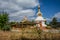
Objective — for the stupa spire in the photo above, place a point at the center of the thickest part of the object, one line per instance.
(39, 12)
(38, 8)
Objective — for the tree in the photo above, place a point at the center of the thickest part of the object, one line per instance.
(3, 20)
(32, 21)
(53, 23)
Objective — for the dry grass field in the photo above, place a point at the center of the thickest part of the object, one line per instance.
(28, 34)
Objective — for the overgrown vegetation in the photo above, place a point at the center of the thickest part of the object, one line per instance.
(54, 23)
(4, 21)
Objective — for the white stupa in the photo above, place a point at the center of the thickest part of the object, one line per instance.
(40, 19)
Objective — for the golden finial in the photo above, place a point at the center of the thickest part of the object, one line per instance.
(39, 13)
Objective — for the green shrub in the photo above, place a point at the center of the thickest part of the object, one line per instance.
(6, 28)
(0, 27)
(48, 27)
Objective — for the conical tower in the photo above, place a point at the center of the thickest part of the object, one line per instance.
(25, 19)
(39, 12)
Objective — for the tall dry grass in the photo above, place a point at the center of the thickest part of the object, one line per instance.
(28, 34)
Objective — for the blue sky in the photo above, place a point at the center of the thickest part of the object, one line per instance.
(17, 9)
(50, 7)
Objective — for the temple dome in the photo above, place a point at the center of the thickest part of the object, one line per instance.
(39, 18)
(39, 15)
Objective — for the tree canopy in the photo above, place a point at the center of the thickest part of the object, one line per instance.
(54, 22)
(4, 18)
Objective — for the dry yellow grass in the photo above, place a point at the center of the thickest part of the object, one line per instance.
(29, 34)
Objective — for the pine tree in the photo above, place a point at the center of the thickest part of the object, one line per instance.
(54, 21)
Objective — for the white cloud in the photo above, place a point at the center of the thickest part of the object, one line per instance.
(9, 6)
(26, 3)
(18, 8)
(18, 3)
(33, 18)
(57, 15)
(21, 13)
(48, 19)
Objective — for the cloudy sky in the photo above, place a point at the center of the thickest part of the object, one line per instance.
(17, 9)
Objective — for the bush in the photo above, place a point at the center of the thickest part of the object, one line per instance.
(55, 26)
(6, 28)
(0, 27)
(48, 27)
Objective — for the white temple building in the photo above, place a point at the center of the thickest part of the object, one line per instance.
(39, 19)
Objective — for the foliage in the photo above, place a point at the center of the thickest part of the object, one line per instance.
(6, 28)
(46, 22)
(54, 23)
(48, 27)
(32, 21)
(39, 31)
(12, 23)
(4, 20)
